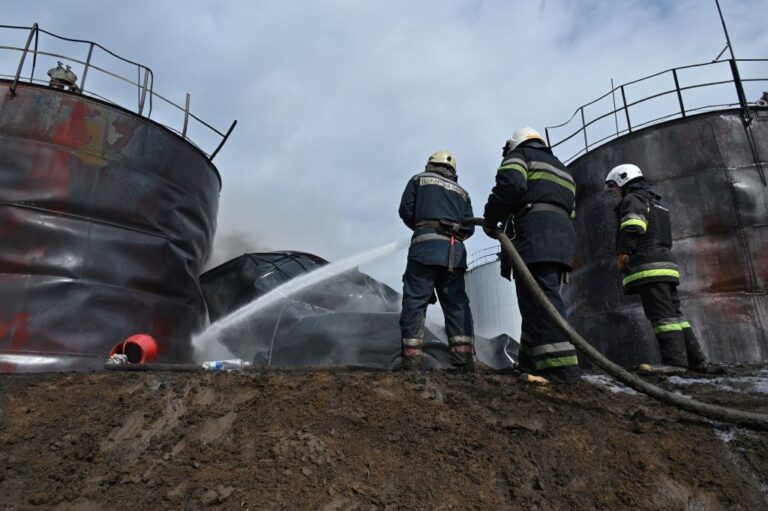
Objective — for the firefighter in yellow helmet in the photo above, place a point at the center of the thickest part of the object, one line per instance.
(437, 209)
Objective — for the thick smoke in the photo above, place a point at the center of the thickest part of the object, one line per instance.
(232, 243)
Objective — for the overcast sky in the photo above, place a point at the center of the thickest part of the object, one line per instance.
(340, 102)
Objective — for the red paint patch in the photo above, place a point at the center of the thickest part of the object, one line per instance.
(73, 131)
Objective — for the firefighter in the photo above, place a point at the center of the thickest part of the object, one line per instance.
(644, 256)
(436, 208)
(534, 196)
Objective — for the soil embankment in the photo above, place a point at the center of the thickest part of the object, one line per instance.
(361, 440)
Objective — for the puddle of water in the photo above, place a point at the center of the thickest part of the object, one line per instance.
(757, 384)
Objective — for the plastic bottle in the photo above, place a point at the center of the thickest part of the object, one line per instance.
(234, 364)
(117, 360)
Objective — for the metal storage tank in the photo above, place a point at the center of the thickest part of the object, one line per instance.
(710, 170)
(493, 299)
(106, 218)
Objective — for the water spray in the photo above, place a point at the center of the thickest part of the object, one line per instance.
(215, 331)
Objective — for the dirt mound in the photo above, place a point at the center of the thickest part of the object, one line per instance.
(361, 440)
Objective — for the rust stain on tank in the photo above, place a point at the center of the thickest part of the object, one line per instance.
(724, 270)
(83, 130)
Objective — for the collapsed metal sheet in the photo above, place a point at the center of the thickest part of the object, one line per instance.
(239, 281)
(705, 170)
(105, 221)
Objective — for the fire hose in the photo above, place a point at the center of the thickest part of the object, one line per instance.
(688, 404)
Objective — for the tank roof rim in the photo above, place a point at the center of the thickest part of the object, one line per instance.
(482, 264)
(21, 85)
(642, 130)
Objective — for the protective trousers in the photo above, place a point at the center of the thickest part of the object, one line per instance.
(544, 349)
(419, 281)
(678, 344)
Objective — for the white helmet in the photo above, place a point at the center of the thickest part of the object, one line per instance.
(623, 174)
(521, 135)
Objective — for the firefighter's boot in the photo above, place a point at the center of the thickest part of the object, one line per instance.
(672, 348)
(697, 360)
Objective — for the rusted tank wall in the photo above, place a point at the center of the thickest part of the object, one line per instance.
(705, 171)
(105, 221)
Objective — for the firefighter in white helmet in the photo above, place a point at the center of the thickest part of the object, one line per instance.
(534, 196)
(437, 209)
(644, 249)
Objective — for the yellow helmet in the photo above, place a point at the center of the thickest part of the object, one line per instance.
(443, 157)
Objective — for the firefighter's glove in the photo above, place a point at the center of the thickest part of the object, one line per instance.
(491, 228)
(621, 262)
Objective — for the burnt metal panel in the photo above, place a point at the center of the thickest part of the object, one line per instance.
(243, 279)
(728, 326)
(105, 221)
(711, 264)
(704, 168)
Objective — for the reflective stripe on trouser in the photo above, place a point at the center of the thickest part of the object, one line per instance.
(462, 348)
(545, 356)
(556, 354)
(669, 334)
(411, 352)
(662, 308)
(543, 347)
(412, 346)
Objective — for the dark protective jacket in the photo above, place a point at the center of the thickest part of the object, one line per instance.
(538, 190)
(431, 196)
(644, 232)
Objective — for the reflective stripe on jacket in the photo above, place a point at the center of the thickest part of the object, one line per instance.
(644, 232)
(531, 174)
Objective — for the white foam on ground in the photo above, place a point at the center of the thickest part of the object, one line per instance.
(726, 435)
(757, 384)
(607, 383)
